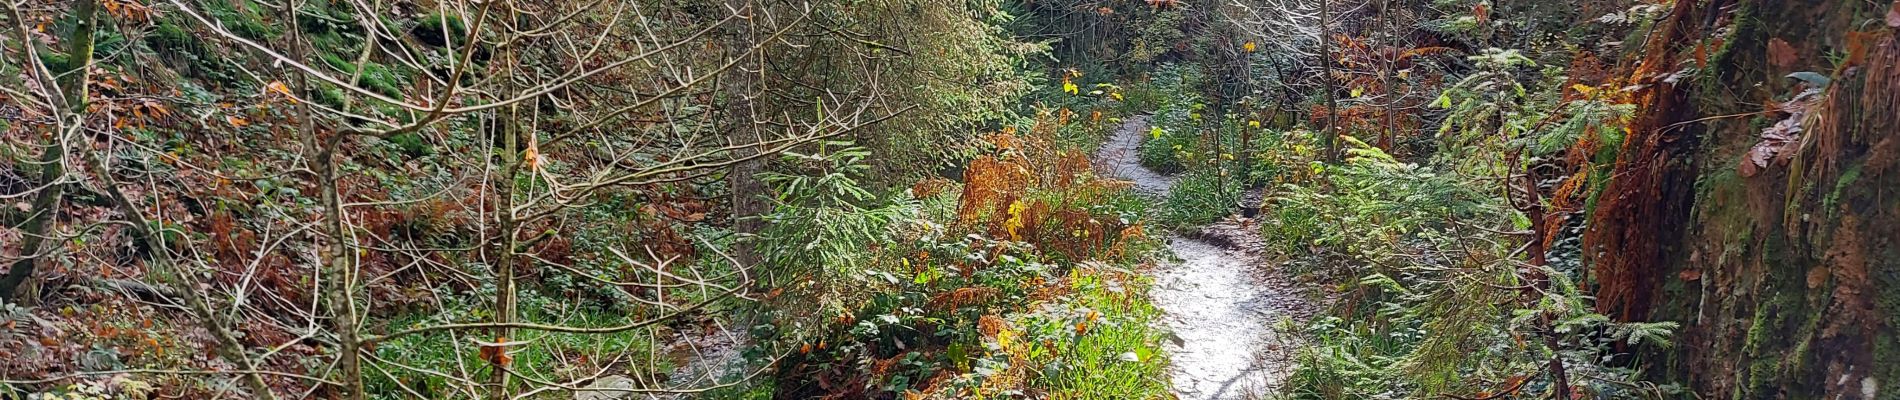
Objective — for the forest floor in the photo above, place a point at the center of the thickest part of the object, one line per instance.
(1228, 309)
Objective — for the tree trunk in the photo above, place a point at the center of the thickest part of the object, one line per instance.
(1331, 137)
(748, 190)
(72, 84)
(340, 298)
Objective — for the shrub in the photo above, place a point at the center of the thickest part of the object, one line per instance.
(990, 286)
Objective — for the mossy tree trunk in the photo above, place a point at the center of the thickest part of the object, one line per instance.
(72, 84)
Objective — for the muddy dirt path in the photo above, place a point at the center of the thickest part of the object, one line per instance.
(1224, 309)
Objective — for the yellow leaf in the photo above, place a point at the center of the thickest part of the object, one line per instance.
(1585, 90)
(1069, 87)
(1015, 220)
(1357, 91)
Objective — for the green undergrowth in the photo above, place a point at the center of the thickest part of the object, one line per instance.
(1177, 139)
(1216, 154)
(539, 356)
(1101, 342)
(1024, 278)
(1198, 198)
(1431, 305)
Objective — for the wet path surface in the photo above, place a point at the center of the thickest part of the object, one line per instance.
(1225, 314)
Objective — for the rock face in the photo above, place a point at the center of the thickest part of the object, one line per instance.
(607, 382)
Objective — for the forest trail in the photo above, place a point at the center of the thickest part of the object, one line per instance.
(1225, 312)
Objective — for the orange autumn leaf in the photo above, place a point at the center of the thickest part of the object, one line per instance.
(157, 109)
(532, 157)
(279, 88)
(236, 121)
(496, 352)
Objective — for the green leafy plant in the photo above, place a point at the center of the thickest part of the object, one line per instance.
(1200, 197)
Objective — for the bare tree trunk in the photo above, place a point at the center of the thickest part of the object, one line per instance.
(505, 290)
(748, 191)
(341, 297)
(507, 244)
(1326, 75)
(337, 265)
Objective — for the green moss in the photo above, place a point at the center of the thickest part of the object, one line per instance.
(169, 36)
(430, 29)
(242, 19)
(53, 60)
(376, 77)
(329, 96)
(1833, 198)
(1725, 194)
(1886, 275)
(326, 17)
(1886, 347)
(187, 53)
(1801, 191)
(1745, 22)
(546, 351)
(411, 144)
(1760, 372)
